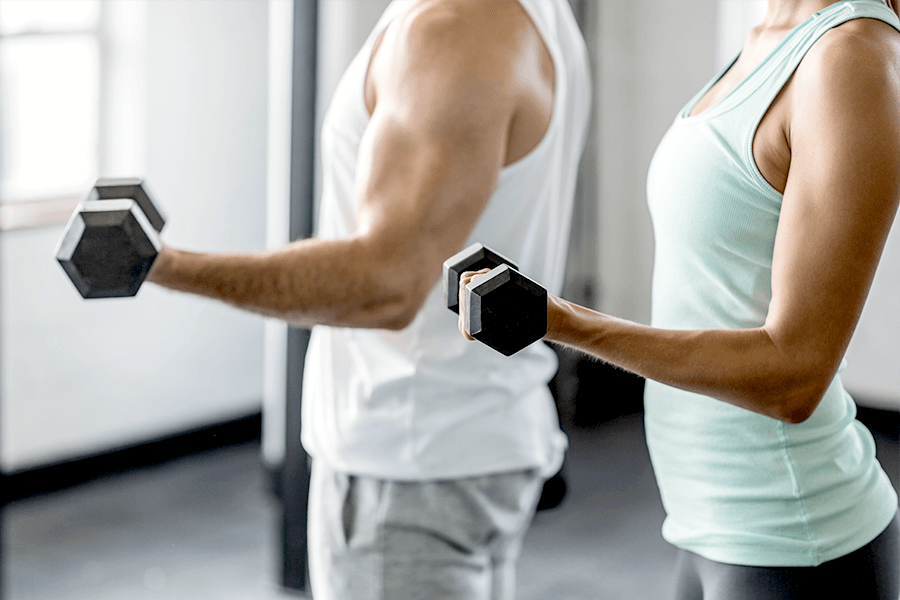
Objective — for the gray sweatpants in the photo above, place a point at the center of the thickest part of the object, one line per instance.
(457, 539)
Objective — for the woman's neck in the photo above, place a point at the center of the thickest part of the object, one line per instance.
(787, 14)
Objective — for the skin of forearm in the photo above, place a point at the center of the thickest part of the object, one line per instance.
(743, 367)
(329, 282)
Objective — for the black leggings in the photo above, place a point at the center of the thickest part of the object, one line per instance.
(870, 573)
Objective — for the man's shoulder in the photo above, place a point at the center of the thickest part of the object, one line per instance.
(465, 16)
(466, 33)
(456, 56)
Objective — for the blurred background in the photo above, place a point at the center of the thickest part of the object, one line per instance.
(142, 441)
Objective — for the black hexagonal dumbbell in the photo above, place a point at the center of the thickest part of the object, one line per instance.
(112, 239)
(504, 309)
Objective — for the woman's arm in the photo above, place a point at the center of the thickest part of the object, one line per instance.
(839, 202)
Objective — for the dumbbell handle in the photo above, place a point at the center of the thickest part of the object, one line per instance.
(505, 310)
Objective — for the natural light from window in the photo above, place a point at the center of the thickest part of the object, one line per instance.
(49, 97)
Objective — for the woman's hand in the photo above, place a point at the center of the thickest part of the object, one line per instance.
(464, 280)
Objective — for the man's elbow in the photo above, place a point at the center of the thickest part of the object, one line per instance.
(397, 309)
(398, 315)
(398, 322)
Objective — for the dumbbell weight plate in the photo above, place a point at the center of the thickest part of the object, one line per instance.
(473, 258)
(506, 310)
(129, 187)
(108, 248)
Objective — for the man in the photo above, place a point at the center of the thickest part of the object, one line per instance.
(458, 121)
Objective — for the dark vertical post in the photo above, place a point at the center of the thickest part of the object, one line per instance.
(3, 485)
(2, 506)
(295, 471)
(4, 493)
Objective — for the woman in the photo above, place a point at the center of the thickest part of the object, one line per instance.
(771, 196)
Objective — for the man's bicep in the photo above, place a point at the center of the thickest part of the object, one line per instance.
(444, 95)
(426, 173)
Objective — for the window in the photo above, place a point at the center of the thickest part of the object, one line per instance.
(49, 98)
(71, 102)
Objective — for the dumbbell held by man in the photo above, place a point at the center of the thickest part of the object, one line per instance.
(505, 310)
(112, 239)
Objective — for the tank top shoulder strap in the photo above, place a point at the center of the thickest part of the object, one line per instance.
(773, 74)
(545, 19)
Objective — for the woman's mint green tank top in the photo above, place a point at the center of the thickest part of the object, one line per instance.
(738, 487)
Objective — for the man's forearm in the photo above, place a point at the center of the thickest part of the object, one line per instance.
(328, 282)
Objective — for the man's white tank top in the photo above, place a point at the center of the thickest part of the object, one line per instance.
(423, 403)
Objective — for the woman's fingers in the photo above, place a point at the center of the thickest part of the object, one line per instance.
(464, 280)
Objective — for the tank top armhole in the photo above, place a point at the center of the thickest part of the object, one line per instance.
(373, 41)
(785, 73)
(560, 80)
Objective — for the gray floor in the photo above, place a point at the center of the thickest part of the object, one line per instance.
(204, 527)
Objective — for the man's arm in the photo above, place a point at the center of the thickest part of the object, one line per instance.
(839, 203)
(444, 89)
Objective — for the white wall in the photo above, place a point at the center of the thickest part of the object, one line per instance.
(873, 358)
(78, 377)
(735, 20)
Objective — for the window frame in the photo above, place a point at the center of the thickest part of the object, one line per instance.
(40, 210)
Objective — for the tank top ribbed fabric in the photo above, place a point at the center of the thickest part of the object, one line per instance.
(423, 403)
(738, 487)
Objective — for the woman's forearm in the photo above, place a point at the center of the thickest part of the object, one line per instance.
(743, 367)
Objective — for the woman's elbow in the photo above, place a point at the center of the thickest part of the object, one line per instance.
(797, 379)
(797, 414)
(799, 400)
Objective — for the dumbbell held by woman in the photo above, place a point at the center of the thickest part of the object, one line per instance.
(504, 309)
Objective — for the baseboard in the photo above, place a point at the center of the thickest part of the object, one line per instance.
(65, 474)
